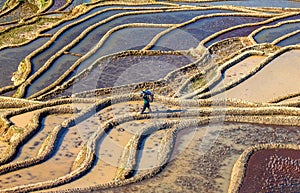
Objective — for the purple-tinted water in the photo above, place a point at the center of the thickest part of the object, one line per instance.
(1, 4)
(57, 4)
(75, 3)
(272, 170)
(89, 41)
(122, 70)
(176, 40)
(245, 31)
(259, 3)
(195, 32)
(159, 18)
(166, 17)
(125, 39)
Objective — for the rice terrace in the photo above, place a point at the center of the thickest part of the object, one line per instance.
(225, 78)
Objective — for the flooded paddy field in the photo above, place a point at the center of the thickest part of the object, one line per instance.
(13, 56)
(22, 11)
(116, 71)
(225, 115)
(75, 3)
(216, 24)
(31, 148)
(57, 69)
(266, 91)
(56, 5)
(232, 74)
(170, 17)
(51, 169)
(244, 31)
(290, 40)
(269, 35)
(282, 163)
(1, 4)
(194, 168)
(257, 3)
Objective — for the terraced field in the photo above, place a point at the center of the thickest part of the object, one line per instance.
(225, 116)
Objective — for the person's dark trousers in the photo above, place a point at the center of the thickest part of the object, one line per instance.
(146, 105)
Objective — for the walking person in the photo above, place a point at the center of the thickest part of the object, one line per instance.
(146, 100)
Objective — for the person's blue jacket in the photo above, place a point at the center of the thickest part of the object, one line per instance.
(146, 98)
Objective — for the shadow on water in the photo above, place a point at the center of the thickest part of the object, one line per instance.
(141, 149)
(40, 128)
(141, 146)
(98, 146)
(169, 111)
(57, 144)
(58, 141)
